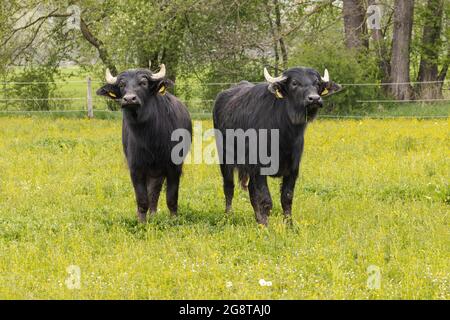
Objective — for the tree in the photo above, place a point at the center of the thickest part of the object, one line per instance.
(401, 42)
(225, 41)
(273, 33)
(380, 46)
(275, 27)
(99, 45)
(284, 54)
(354, 24)
(431, 47)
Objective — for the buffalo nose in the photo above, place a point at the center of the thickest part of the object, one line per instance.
(130, 98)
(314, 98)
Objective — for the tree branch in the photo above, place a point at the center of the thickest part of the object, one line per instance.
(98, 44)
(52, 14)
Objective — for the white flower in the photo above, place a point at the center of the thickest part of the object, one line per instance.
(264, 283)
(229, 284)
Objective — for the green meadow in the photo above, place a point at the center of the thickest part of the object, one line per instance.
(372, 194)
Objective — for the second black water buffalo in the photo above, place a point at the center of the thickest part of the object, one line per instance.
(287, 104)
(150, 116)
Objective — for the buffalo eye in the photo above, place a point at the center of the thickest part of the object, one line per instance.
(121, 84)
(294, 83)
(143, 83)
(318, 84)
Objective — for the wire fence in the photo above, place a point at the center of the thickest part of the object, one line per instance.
(402, 101)
(88, 101)
(221, 83)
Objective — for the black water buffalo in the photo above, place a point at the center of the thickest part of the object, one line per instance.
(286, 103)
(150, 115)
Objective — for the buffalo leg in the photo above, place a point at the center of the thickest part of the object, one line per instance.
(154, 186)
(265, 200)
(287, 195)
(261, 195)
(140, 190)
(228, 185)
(173, 183)
(253, 198)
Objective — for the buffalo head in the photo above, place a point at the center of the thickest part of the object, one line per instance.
(303, 88)
(132, 88)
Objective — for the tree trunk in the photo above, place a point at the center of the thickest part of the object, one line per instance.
(382, 53)
(445, 66)
(354, 24)
(401, 41)
(431, 44)
(274, 38)
(170, 57)
(284, 54)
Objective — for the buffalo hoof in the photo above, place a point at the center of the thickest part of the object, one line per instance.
(288, 220)
(173, 214)
(262, 219)
(142, 217)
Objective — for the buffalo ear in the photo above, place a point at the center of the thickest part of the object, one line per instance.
(163, 85)
(330, 88)
(277, 89)
(110, 91)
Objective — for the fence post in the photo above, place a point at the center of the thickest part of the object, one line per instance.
(90, 108)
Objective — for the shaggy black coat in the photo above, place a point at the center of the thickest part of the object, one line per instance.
(147, 127)
(248, 106)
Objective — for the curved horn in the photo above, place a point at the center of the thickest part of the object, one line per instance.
(109, 78)
(271, 79)
(161, 74)
(326, 76)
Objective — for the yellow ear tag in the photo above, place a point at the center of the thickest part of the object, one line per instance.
(324, 92)
(162, 90)
(278, 94)
(112, 95)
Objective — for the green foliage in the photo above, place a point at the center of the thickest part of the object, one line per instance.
(424, 13)
(38, 87)
(200, 90)
(345, 68)
(219, 41)
(370, 193)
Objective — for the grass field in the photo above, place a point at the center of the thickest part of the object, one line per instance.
(371, 192)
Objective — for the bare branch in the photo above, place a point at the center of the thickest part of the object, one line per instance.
(98, 44)
(52, 14)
